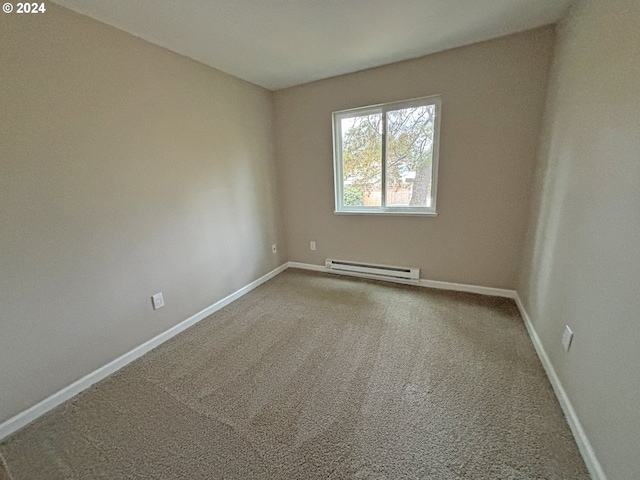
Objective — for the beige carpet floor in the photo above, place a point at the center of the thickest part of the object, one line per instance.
(319, 376)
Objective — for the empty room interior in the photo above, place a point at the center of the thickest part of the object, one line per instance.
(300, 239)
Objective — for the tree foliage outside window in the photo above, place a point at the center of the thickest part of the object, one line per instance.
(394, 145)
(353, 196)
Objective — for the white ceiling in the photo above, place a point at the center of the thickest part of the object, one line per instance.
(281, 43)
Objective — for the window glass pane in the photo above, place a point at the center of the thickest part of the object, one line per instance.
(362, 160)
(410, 133)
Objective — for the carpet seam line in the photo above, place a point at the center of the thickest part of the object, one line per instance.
(5, 466)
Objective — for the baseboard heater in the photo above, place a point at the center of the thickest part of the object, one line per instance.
(369, 270)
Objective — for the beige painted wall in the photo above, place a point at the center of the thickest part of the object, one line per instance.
(582, 263)
(126, 170)
(492, 105)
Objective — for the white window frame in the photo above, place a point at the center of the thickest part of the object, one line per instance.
(383, 108)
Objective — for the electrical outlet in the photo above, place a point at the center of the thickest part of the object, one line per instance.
(274, 249)
(312, 245)
(158, 301)
(567, 338)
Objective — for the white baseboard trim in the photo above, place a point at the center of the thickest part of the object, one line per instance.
(462, 287)
(24, 418)
(307, 266)
(586, 450)
(458, 287)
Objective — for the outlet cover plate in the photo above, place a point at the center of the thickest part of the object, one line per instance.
(158, 301)
(567, 338)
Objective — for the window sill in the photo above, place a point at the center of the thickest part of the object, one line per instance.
(392, 213)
